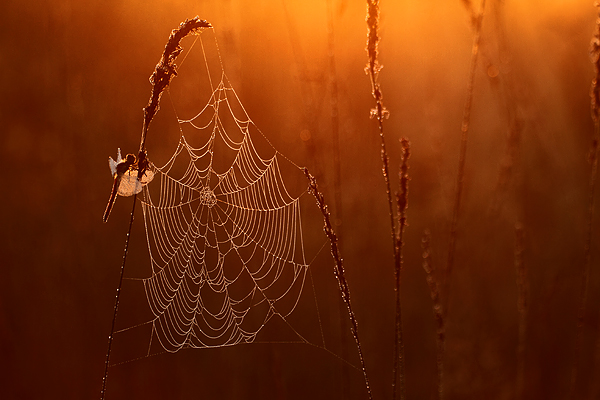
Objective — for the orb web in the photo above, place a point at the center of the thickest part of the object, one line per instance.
(224, 233)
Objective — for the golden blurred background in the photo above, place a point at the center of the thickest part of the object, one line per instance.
(74, 79)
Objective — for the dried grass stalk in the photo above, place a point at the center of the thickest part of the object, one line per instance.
(161, 77)
(402, 205)
(380, 113)
(438, 312)
(338, 270)
(166, 69)
(476, 22)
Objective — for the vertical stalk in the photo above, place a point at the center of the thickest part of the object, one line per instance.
(477, 21)
(339, 270)
(116, 308)
(160, 79)
(438, 313)
(380, 112)
(522, 307)
(402, 205)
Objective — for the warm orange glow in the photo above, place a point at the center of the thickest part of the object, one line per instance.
(75, 79)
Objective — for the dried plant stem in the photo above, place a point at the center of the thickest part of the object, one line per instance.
(510, 100)
(402, 204)
(339, 270)
(463, 152)
(593, 159)
(337, 176)
(380, 113)
(166, 69)
(115, 309)
(161, 77)
(522, 307)
(438, 314)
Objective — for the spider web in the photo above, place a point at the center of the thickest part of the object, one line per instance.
(226, 248)
(224, 233)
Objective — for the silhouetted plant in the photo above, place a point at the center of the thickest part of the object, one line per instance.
(380, 113)
(161, 77)
(339, 269)
(476, 20)
(438, 312)
(522, 307)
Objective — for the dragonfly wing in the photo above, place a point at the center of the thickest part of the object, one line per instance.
(112, 164)
(130, 184)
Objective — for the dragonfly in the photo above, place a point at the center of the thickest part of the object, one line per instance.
(127, 180)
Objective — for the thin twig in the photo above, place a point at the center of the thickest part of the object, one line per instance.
(338, 270)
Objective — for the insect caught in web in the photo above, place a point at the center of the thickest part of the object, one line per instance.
(130, 176)
(227, 247)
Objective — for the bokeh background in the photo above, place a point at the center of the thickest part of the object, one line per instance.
(74, 79)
